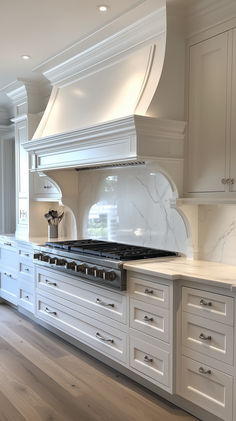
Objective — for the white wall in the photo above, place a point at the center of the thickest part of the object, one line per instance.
(217, 233)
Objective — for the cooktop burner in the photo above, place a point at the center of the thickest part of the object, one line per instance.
(117, 251)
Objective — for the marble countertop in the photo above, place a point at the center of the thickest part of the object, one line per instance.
(219, 274)
(31, 240)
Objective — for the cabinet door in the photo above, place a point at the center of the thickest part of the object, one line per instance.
(233, 118)
(207, 115)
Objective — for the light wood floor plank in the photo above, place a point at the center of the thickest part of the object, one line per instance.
(42, 378)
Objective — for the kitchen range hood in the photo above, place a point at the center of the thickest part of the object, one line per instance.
(116, 96)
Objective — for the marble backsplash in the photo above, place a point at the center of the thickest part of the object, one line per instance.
(217, 233)
(130, 205)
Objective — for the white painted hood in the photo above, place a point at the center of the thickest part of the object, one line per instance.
(111, 101)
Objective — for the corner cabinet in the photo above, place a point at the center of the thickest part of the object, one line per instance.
(212, 108)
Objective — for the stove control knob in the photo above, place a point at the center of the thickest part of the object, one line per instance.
(110, 276)
(70, 265)
(38, 256)
(45, 258)
(60, 262)
(99, 273)
(92, 271)
(82, 268)
(53, 260)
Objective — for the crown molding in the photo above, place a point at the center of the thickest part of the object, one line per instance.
(139, 32)
(205, 14)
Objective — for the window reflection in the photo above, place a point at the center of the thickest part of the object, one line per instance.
(103, 221)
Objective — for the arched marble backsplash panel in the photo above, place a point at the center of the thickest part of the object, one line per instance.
(130, 205)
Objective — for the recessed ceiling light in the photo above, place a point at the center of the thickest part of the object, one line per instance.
(103, 8)
(25, 57)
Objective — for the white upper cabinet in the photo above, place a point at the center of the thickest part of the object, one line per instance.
(207, 134)
(233, 119)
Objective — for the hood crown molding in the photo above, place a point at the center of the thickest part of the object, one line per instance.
(88, 60)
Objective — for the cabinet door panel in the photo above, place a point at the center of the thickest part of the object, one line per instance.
(207, 115)
(233, 118)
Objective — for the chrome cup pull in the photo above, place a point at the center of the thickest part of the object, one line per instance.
(148, 319)
(50, 311)
(148, 359)
(99, 336)
(102, 303)
(205, 303)
(8, 274)
(148, 291)
(203, 371)
(204, 337)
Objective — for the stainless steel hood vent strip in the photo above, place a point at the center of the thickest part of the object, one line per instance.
(115, 165)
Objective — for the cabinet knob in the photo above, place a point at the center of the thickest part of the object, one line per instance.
(224, 181)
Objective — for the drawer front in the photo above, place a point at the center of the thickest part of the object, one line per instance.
(42, 185)
(26, 297)
(210, 338)
(150, 360)
(26, 272)
(26, 256)
(100, 300)
(149, 292)
(149, 319)
(9, 287)
(206, 304)
(8, 258)
(105, 339)
(208, 388)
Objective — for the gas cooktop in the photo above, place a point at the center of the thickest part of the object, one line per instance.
(117, 251)
(96, 261)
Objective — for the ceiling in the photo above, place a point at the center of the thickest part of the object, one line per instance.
(43, 29)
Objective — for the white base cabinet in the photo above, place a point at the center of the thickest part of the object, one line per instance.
(153, 330)
(207, 351)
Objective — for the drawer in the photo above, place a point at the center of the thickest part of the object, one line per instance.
(150, 360)
(8, 258)
(149, 292)
(26, 256)
(107, 303)
(9, 287)
(210, 338)
(26, 271)
(207, 304)
(26, 297)
(149, 319)
(208, 388)
(105, 339)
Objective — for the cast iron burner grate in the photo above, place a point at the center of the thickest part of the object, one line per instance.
(116, 251)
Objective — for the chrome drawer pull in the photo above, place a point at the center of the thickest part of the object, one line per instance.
(51, 283)
(27, 269)
(205, 303)
(99, 336)
(203, 371)
(98, 301)
(204, 337)
(7, 244)
(148, 319)
(148, 291)
(147, 359)
(47, 187)
(27, 297)
(8, 274)
(50, 311)
(26, 254)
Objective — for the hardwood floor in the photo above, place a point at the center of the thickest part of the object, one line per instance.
(42, 378)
